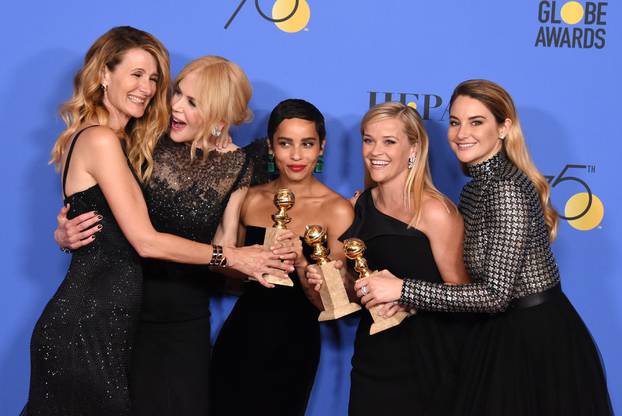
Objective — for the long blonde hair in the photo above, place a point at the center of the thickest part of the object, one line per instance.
(87, 106)
(501, 105)
(223, 95)
(419, 180)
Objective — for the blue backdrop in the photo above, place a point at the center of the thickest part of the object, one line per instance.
(559, 59)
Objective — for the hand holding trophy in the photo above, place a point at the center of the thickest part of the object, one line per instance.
(332, 292)
(283, 200)
(354, 249)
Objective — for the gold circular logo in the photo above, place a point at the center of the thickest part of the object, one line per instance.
(572, 12)
(295, 23)
(592, 218)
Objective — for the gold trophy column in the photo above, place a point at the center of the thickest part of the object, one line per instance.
(333, 292)
(354, 249)
(283, 200)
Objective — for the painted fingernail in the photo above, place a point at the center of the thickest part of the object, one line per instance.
(95, 212)
(99, 217)
(93, 237)
(99, 227)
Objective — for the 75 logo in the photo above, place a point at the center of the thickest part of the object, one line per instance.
(583, 210)
(288, 15)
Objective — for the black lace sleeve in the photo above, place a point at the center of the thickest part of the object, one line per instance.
(256, 168)
(508, 208)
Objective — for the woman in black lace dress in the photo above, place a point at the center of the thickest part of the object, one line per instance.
(281, 323)
(81, 344)
(165, 300)
(533, 355)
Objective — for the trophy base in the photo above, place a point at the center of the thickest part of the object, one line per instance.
(338, 312)
(380, 324)
(281, 281)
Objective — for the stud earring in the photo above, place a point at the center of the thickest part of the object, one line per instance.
(216, 132)
(105, 87)
(411, 161)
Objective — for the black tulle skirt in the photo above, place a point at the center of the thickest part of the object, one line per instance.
(539, 360)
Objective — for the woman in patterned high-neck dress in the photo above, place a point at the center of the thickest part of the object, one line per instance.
(533, 354)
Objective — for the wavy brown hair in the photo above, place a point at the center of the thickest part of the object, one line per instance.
(86, 106)
(499, 102)
(223, 95)
(419, 181)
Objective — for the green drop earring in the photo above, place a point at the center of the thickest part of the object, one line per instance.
(271, 166)
(319, 165)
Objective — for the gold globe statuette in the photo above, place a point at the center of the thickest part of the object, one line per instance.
(332, 292)
(354, 249)
(284, 199)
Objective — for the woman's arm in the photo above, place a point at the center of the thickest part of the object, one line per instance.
(507, 237)
(106, 163)
(227, 232)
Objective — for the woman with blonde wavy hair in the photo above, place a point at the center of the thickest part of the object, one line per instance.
(197, 175)
(81, 344)
(411, 229)
(528, 355)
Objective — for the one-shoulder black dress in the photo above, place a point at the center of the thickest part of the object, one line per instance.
(267, 353)
(409, 368)
(80, 346)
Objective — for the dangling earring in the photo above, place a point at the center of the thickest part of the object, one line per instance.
(411, 161)
(271, 165)
(319, 165)
(216, 132)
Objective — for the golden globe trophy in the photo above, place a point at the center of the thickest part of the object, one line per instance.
(333, 292)
(283, 200)
(354, 249)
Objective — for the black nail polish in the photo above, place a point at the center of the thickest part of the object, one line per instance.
(99, 217)
(93, 236)
(99, 227)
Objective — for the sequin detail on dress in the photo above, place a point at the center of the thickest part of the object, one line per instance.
(81, 344)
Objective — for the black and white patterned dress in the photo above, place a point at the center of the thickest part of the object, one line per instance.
(533, 354)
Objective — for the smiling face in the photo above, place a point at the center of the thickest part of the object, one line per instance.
(474, 135)
(186, 120)
(386, 150)
(130, 86)
(296, 147)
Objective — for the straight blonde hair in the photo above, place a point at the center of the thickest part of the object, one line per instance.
(500, 104)
(419, 181)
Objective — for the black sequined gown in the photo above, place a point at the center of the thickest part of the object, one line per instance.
(81, 344)
(533, 355)
(409, 368)
(267, 352)
(171, 359)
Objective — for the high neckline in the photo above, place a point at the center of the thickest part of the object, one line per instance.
(488, 167)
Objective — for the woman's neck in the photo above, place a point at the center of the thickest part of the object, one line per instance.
(391, 195)
(303, 187)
